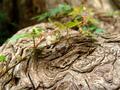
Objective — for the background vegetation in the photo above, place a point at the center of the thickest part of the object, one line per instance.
(16, 14)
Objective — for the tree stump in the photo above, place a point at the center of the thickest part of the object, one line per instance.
(75, 62)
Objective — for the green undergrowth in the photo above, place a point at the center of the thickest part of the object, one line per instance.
(81, 18)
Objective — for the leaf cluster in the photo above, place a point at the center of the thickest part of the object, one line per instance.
(36, 32)
(80, 17)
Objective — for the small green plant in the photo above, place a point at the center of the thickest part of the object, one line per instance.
(80, 17)
(93, 29)
(87, 27)
(36, 32)
(83, 13)
(2, 58)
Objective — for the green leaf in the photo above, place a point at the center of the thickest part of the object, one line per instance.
(35, 33)
(17, 36)
(2, 58)
(77, 11)
(84, 28)
(60, 25)
(99, 30)
(92, 28)
(41, 17)
(65, 8)
(72, 24)
(78, 17)
(62, 8)
(92, 20)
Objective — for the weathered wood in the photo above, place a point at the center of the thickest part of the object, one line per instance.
(76, 62)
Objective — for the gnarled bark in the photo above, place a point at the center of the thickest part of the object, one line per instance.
(75, 62)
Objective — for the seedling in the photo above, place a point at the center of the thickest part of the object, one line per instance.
(36, 33)
(2, 58)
